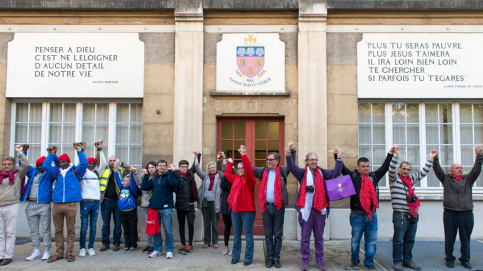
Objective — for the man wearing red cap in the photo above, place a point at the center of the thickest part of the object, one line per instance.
(67, 192)
(90, 200)
(10, 187)
(38, 193)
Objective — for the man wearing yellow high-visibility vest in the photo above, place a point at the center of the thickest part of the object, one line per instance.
(109, 196)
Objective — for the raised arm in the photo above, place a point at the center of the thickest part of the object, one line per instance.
(220, 164)
(249, 176)
(476, 170)
(102, 161)
(293, 168)
(174, 179)
(82, 166)
(438, 171)
(146, 185)
(380, 172)
(229, 172)
(47, 165)
(25, 162)
(426, 168)
(393, 167)
(198, 169)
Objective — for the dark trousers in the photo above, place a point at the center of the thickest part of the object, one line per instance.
(190, 216)
(129, 221)
(108, 209)
(210, 223)
(226, 232)
(405, 227)
(273, 224)
(454, 221)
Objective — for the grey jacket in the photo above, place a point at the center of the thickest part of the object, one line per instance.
(206, 182)
(458, 195)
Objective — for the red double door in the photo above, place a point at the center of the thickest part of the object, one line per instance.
(260, 136)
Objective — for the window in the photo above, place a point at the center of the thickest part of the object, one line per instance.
(451, 127)
(42, 124)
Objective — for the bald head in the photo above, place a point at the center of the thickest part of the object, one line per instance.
(112, 162)
(456, 169)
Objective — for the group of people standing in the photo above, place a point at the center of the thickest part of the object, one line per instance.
(115, 188)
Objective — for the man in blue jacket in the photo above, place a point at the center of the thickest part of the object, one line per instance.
(163, 186)
(38, 193)
(67, 192)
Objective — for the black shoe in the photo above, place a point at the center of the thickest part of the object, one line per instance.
(277, 264)
(269, 263)
(146, 249)
(247, 263)
(412, 265)
(371, 267)
(151, 249)
(467, 265)
(233, 261)
(6, 261)
(450, 264)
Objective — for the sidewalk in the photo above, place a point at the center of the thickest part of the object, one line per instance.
(337, 257)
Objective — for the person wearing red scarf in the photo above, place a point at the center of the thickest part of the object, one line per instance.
(210, 204)
(10, 185)
(458, 206)
(363, 217)
(405, 206)
(312, 203)
(272, 199)
(242, 206)
(186, 196)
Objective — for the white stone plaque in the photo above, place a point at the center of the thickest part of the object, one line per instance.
(250, 63)
(78, 65)
(420, 66)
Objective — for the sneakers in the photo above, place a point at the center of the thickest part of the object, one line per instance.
(146, 248)
(450, 264)
(187, 250)
(181, 249)
(132, 249)
(169, 255)
(82, 252)
(154, 254)
(46, 255)
(413, 266)
(398, 267)
(35, 255)
(229, 253)
(321, 266)
(151, 249)
(91, 252)
(355, 266)
(371, 267)
(126, 249)
(466, 265)
(304, 266)
(225, 251)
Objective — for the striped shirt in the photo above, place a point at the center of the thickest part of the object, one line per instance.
(398, 190)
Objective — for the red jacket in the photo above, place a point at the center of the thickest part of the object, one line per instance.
(246, 188)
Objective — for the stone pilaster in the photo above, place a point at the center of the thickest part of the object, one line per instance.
(312, 80)
(188, 95)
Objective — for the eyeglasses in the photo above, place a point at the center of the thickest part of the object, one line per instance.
(240, 168)
(5, 165)
(406, 169)
(183, 167)
(270, 160)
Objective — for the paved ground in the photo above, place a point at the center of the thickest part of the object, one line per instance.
(428, 254)
(337, 257)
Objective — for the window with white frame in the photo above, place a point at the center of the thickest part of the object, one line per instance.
(42, 124)
(454, 128)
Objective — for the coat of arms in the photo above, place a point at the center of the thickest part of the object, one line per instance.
(250, 57)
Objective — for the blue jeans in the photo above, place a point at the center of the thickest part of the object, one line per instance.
(108, 208)
(88, 208)
(403, 239)
(242, 220)
(165, 218)
(362, 225)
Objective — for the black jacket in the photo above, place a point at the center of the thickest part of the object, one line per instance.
(163, 187)
(375, 177)
(284, 172)
(188, 191)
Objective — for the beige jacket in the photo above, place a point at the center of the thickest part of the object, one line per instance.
(10, 193)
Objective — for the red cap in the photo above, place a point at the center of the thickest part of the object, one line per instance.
(64, 157)
(40, 160)
(90, 159)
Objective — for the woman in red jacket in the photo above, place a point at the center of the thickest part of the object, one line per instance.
(242, 206)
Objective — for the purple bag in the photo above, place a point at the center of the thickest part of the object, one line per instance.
(339, 188)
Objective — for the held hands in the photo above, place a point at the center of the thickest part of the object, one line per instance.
(52, 150)
(25, 147)
(172, 167)
(99, 144)
(242, 150)
(76, 146)
(337, 151)
(220, 155)
(144, 172)
(82, 145)
(196, 153)
(230, 160)
(478, 150)
(433, 154)
(291, 146)
(396, 150)
(133, 170)
(393, 149)
(19, 149)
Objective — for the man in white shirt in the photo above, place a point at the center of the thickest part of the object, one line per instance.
(91, 194)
